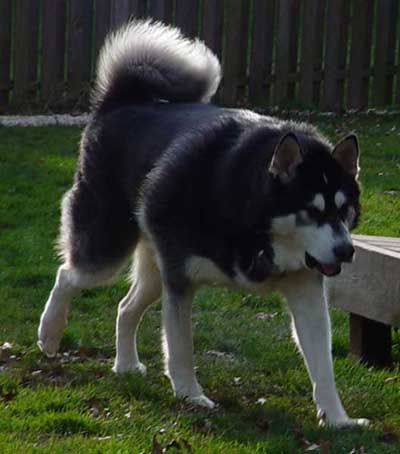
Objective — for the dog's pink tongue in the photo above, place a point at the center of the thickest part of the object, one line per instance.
(329, 268)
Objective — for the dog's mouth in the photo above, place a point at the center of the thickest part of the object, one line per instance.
(327, 269)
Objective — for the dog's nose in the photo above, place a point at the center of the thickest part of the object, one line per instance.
(344, 252)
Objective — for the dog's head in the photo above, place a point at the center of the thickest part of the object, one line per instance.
(319, 195)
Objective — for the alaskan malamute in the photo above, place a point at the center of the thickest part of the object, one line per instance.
(200, 195)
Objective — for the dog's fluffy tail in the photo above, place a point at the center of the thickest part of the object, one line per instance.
(145, 61)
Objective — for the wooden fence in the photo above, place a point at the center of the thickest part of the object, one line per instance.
(325, 54)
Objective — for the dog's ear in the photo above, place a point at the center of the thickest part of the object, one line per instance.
(287, 157)
(346, 153)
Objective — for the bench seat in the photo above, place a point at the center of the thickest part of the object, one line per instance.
(369, 289)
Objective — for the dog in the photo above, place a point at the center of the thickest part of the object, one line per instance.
(200, 196)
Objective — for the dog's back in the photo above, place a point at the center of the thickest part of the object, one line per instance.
(140, 67)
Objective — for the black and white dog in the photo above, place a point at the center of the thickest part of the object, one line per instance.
(200, 195)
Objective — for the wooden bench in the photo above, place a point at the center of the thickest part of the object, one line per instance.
(369, 289)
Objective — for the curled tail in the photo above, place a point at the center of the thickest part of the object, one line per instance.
(145, 61)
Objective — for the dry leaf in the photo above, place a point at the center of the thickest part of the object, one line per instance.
(36, 372)
(266, 315)
(392, 379)
(313, 447)
(94, 412)
(107, 437)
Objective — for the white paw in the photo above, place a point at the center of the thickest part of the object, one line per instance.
(138, 367)
(48, 345)
(345, 423)
(202, 401)
(49, 337)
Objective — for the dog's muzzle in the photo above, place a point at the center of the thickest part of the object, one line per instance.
(327, 269)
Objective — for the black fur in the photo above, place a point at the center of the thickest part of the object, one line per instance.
(202, 174)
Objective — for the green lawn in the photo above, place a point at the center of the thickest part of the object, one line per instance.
(250, 366)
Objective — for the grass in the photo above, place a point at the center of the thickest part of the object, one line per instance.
(75, 404)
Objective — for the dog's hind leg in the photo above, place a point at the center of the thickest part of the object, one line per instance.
(70, 281)
(145, 290)
(97, 237)
(312, 332)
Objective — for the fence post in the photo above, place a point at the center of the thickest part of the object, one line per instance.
(261, 57)
(161, 10)
(54, 16)
(311, 42)
(384, 52)
(5, 54)
(286, 51)
(79, 46)
(25, 50)
(186, 16)
(357, 96)
(335, 55)
(235, 58)
(102, 24)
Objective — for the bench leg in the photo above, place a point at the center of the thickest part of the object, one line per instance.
(370, 341)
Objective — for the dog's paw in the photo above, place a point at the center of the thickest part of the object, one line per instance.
(138, 367)
(48, 345)
(202, 401)
(345, 423)
(49, 337)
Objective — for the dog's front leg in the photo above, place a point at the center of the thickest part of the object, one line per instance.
(312, 332)
(178, 346)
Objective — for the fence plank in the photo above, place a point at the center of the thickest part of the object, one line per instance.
(161, 10)
(335, 58)
(26, 50)
(235, 55)
(384, 51)
(120, 12)
(293, 46)
(139, 8)
(54, 15)
(213, 24)
(319, 50)
(285, 51)
(261, 51)
(309, 50)
(357, 97)
(79, 45)
(186, 16)
(102, 24)
(5, 54)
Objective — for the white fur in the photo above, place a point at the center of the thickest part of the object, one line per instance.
(283, 225)
(202, 271)
(69, 283)
(307, 304)
(178, 347)
(158, 55)
(318, 202)
(289, 252)
(340, 199)
(318, 241)
(145, 290)
(351, 217)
